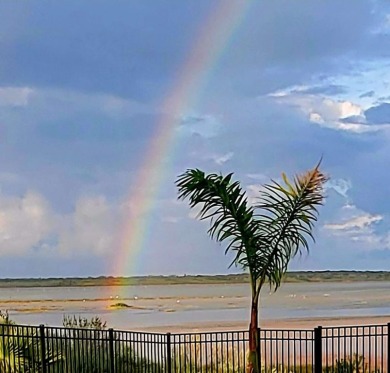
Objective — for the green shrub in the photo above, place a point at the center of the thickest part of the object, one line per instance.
(351, 364)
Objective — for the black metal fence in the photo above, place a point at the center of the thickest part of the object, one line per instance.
(77, 350)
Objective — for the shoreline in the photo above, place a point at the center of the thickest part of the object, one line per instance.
(237, 278)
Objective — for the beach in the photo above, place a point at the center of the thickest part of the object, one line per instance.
(285, 324)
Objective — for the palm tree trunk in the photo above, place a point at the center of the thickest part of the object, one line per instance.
(253, 363)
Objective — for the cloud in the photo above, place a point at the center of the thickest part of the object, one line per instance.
(325, 89)
(89, 229)
(206, 126)
(15, 96)
(56, 100)
(222, 159)
(253, 192)
(302, 98)
(341, 186)
(367, 94)
(357, 223)
(76, 137)
(80, 137)
(348, 223)
(337, 114)
(25, 222)
(376, 117)
(354, 119)
(379, 114)
(29, 224)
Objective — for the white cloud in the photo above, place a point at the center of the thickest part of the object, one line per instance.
(355, 224)
(344, 111)
(325, 111)
(15, 96)
(253, 192)
(222, 159)
(90, 228)
(28, 223)
(24, 222)
(362, 230)
(341, 186)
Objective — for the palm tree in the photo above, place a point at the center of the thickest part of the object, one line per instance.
(20, 349)
(263, 237)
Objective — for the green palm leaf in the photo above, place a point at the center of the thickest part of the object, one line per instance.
(264, 237)
(225, 204)
(287, 220)
(20, 349)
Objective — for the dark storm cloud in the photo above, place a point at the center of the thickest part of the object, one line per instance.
(378, 114)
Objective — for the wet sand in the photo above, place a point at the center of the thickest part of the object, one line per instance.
(203, 308)
(171, 306)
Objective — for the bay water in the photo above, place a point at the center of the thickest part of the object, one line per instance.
(137, 307)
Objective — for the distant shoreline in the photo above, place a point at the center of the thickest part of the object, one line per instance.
(291, 277)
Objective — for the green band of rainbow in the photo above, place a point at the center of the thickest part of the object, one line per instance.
(212, 40)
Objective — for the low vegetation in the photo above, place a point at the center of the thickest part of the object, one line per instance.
(84, 347)
(119, 306)
(302, 276)
(20, 347)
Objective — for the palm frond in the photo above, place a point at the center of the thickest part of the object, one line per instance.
(224, 203)
(264, 238)
(20, 350)
(289, 212)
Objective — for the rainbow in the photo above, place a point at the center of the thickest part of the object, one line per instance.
(211, 41)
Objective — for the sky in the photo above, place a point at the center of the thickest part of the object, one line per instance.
(104, 104)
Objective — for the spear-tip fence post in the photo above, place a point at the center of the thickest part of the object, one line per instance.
(42, 339)
(318, 349)
(169, 354)
(111, 349)
(388, 347)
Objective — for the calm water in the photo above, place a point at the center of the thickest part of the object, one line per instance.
(182, 304)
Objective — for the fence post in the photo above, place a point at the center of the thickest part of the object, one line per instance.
(43, 347)
(318, 349)
(111, 349)
(169, 354)
(388, 347)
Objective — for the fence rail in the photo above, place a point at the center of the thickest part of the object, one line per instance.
(43, 349)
